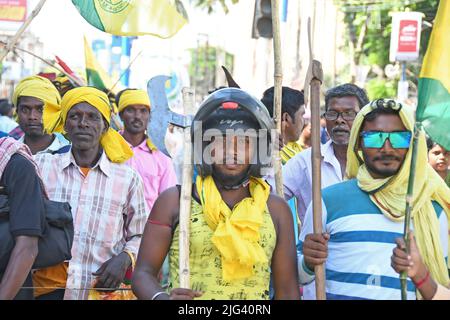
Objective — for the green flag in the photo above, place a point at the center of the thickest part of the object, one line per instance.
(433, 108)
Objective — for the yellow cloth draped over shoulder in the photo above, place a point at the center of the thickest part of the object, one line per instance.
(389, 194)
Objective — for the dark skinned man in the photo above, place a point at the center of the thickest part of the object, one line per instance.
(106, 195)
(155, 168)
(20, 181)
(342, 103)
(36, 99)
(363, 216)
(239, 233)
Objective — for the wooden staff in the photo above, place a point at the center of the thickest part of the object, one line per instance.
(278, 80)
(22, 29)
(313, 81)
(186, 192)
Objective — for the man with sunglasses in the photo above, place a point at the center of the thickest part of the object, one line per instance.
(364, 215)
(342, 103)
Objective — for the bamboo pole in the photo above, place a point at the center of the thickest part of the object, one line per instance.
(22, 29)
(185, 197)
(315, 77)
(278, 80)
(409, 203)
(76, 81)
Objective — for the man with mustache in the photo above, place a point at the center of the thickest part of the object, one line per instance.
(106, 196)
(33, 96)
(342, 103)
(155, 168)
(363, 216)
(239, 232)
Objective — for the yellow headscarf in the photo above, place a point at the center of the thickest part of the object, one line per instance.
(115, 146)
(389, 194)
(236, 232)
(136, 96)
(44, 90)
(133, 96)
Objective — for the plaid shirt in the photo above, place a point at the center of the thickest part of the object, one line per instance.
(108, 208)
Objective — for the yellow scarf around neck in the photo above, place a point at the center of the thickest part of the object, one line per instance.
(236, 232)
(290, 150)
(389, 194)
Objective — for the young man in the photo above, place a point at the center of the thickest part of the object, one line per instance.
(20, 181)
(36, 98)
(106, 196)
(155, 168)
(342, 103)
(363, 216)
(239, 233)
(292, 112)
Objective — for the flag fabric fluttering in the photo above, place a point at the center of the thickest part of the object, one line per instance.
(159, 18)
(433, 109)
(95, 74)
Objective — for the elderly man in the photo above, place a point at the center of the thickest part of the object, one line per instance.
(106, 195)
(342, 103)
(36, 99)
(155, 168)
(361, 228)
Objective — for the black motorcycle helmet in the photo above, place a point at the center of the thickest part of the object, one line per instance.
(230, 109)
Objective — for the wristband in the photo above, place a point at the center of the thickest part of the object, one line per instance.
(158, 294)
(422, 281)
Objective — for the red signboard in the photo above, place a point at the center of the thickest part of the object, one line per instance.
(407, 36)
(13, 10)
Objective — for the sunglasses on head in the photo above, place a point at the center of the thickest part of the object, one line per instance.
(377, 139)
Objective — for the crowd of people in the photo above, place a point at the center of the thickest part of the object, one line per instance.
(58, 142)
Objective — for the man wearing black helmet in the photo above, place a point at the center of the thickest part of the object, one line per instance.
(239, 233)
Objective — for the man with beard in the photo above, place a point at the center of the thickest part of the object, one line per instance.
(33, 97)
(239, 232)
(362, 217)
(342, 103)
(155, 168)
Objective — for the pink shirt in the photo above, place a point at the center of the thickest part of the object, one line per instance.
(155, 169)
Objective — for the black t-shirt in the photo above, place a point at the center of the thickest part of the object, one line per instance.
(26, 203)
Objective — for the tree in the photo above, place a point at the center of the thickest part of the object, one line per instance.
(369, 27)
(211, 5)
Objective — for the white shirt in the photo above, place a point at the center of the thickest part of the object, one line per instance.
(58, 142)
(297, 176)
(7, 124)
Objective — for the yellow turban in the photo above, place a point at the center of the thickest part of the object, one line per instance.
(44, 90)
(389, 194)
(115, 146)
(133, 96)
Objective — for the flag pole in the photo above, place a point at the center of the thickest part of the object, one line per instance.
(278, 80)
(22, 29)
(409, 203)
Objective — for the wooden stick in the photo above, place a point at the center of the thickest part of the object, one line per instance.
(22, 29)
(278, 81)
(185, 197)
(315, 76)
(76, 81)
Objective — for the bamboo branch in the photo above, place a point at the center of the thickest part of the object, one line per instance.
(22, 29)
(409, 204)
(185, 197)
(278, 80)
